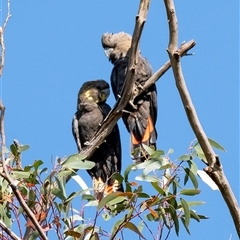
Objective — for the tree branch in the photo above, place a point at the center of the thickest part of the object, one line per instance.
(2, 57)
(214, 170)
(185, 47)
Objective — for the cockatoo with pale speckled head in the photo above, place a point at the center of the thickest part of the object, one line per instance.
(139, 119)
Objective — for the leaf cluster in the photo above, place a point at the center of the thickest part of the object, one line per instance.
(158, 193)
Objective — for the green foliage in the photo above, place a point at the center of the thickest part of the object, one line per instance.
(77, 161)
(197, 150)
(155, 192)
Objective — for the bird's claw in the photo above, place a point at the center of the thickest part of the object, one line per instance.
(87, 143)
(132, 104)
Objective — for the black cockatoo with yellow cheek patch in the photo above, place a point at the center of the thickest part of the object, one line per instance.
(91, 111)
(139, 117)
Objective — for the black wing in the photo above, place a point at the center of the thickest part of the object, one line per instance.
(75, 130)
(107, 160)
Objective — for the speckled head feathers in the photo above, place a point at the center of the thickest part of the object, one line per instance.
(96, 91)
(116, 45)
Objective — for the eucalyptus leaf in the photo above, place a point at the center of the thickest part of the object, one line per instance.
(157, 154)
(61, 185)
(73, 195)
(140, 226)
(143, 195)
(37, 163)
(20, 174)
(147, 178)
(23, 148)
(158, 188)
(191, 175)
(116, 226)
(117, 176)
(127, 171)
(43, 170)
(34, 235)
(192, 203)
(202, 216)
(190, 192)
(117, 200)
(148, 149)
(170, 151)
(200, 153)
(216, 145)
(133, 227)
(13, 149)
(193, 166)
(185, 157)
(80, 182)
(91, 204)
(88, 197)
(185, 225)
(76, 161)
(143, 165)
(174, 218)
(155, 164)
(203, 175)
(64, 173)
(163, 214)
(194, 215)
(108, 199)
(58, 193)
(186, 212)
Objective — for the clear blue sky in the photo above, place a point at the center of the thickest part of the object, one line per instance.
(52, 47)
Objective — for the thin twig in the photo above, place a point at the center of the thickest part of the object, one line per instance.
(8, 15)
(2, 29)
(146, 225)
(214, 170)
(15, 212)
(185, 47)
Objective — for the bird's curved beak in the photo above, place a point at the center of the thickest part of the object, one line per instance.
(108, 51)
(105, 94)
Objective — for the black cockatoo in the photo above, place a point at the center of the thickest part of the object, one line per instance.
(91, 111)
(139, 119)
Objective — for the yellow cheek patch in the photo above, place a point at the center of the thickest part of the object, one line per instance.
(88, 94)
